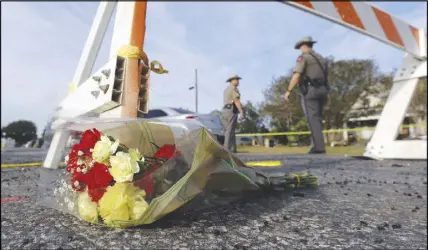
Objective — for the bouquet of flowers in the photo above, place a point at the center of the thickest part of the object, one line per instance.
(131, 172)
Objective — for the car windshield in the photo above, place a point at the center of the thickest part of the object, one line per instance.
(182, 111)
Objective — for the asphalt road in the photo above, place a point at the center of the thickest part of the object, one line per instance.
(359, 204)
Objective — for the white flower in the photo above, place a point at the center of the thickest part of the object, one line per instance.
(123, 167)
(103, 149)
(135, 155)
(61, 190)
(80, 153)
(78, 170)
(76, 183)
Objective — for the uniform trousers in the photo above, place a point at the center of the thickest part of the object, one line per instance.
(313, 103)
(229, 119)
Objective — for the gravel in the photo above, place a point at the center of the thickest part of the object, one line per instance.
(319, 218)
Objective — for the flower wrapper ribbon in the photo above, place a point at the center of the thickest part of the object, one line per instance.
(179, 165)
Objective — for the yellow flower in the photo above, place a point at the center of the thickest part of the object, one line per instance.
(123, 167)
(87, 208)
(103, 149)
(135, 155)
(122, 202)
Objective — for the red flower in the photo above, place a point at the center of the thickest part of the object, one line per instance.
(166, 151)
(151, 170)
(147, 183)
(96, 194)
(80, 184)
(89, 138)
(97, 179)
(79, 176)
(98, 175)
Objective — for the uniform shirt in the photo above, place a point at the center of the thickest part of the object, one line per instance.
(307, 65)
(230, 93)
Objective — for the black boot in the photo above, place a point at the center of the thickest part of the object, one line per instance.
(313, 151)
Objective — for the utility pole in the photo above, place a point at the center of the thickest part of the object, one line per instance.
(196, 90)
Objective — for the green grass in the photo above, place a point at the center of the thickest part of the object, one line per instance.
(350, 150)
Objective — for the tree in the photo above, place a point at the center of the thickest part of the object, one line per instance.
(254, 122)
(284, 114)
(418, 104)
(353, 81)
(21, 131)
(417, 109)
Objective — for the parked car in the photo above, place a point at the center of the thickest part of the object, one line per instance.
(244, 141)
(210, 121)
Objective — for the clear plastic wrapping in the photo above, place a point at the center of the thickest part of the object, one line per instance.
(129, 172)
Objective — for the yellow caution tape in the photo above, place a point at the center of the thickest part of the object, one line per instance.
(130, 51)
(327, 131)
(38, 164)
(33, 164)
(264, 164)
(30, 164)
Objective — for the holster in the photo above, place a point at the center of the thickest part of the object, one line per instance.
(228, 106)
(303, 86)
(232, 106)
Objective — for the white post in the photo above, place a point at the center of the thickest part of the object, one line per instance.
(83, 71)
(129, 29)
(383, 144)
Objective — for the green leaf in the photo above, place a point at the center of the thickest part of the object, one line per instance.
(157, 147)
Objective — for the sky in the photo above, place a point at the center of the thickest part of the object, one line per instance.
(41, 44)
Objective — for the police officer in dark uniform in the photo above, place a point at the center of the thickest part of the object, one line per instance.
(310, 73)
(231, 107)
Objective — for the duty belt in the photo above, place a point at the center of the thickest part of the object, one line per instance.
(316, 83)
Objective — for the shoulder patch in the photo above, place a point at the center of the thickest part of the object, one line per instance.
(299, 59)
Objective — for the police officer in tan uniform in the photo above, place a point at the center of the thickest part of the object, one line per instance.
(232, 105)
(310, 73)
